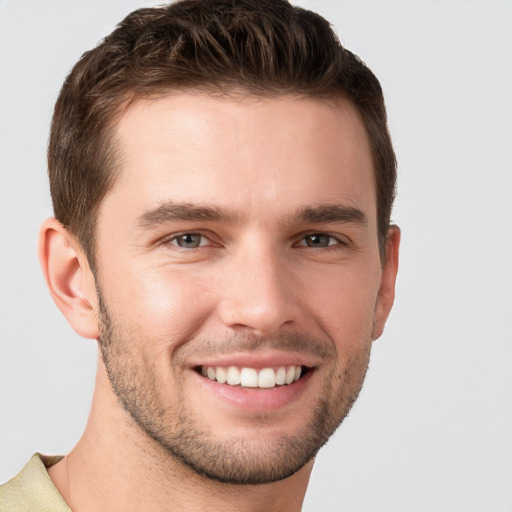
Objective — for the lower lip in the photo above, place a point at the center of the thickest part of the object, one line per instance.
(257, 399)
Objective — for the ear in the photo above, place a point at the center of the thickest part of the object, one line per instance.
(386, 294)
(69, 277)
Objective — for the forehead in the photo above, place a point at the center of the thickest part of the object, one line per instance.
(246, 154)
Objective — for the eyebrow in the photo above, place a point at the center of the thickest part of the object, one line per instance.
(183, 212)
(332, 213)
(172, 211)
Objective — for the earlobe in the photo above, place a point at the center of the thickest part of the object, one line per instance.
(386, 295)
(69, 278)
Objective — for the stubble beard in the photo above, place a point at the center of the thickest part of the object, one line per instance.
(183, 438)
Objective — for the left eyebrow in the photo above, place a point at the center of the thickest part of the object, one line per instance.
(331, 213)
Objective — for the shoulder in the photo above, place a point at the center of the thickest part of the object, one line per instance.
(32, 489)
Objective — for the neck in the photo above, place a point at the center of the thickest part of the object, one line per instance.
(117, 467)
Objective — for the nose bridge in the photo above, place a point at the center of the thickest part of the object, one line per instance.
(258, 296)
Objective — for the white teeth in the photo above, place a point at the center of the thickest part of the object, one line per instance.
(290, 375)
(221, 375)
(248, 378)
(233, 376)
(281, 376)
(252, 378)
(267, 378)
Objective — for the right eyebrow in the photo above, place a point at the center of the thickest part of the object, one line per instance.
(172, 211)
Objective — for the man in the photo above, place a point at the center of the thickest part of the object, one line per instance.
(222, 180)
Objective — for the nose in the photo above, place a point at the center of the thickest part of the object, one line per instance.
(258, 293)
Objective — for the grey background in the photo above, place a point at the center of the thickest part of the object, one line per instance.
(432, 430)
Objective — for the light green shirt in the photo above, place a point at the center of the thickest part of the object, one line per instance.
(32, 490)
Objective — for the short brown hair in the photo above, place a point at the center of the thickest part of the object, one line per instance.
(262, 47)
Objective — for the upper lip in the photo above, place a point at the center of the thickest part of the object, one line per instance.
(269, 359)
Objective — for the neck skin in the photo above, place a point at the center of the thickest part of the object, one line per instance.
(115, 467)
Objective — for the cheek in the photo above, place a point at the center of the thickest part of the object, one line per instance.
(164, 306)
(345, 308)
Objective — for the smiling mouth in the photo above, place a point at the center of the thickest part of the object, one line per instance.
(247, 377)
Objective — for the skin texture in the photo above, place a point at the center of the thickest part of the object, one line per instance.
(277, 200)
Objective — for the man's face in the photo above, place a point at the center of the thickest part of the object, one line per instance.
(239, 244)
